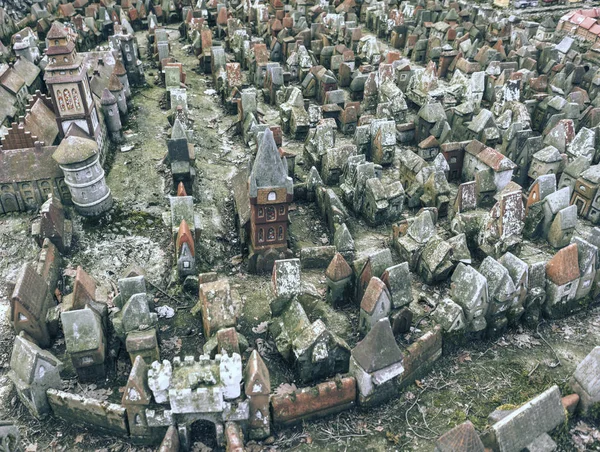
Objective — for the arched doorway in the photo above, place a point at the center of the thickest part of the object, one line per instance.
(203, 432)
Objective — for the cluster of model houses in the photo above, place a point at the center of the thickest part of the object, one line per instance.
(502, 145)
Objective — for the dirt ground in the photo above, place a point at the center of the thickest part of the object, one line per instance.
(469, 382)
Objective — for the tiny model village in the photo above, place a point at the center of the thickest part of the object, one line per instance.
(309, 225)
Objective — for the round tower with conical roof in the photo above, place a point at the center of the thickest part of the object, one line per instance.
(116, 88)
(78, 158)
(121, 74)
(111, 114)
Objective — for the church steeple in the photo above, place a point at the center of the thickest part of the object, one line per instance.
(69, 86)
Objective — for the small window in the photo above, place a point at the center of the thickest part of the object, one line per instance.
(22, 318)
(261, 212)
(271, 213)
(66, 59)
(271, 235)
(582, 188)
(186, 264)
(280, 233)
(261, 235)
(281, 210)
(271, 196)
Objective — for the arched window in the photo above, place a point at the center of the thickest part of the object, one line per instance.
(61, 101)
(271, 235)
(270, 213)
(280, 233)
(261, 235)
(68, 100)
(272, 196)
(76, 99)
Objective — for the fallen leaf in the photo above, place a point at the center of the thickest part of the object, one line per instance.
(419, 384)
(260, 328)
(78, 439)
(464, 356)
(31, 448)
(379, 428)
(285, 388)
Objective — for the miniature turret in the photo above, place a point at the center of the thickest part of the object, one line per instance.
(121, 74)
(111, 114)
(22, 48)
(78, 158)
(117, 90)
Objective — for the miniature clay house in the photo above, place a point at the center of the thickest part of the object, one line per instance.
(270, 191)
(33, 371)
(68, 83)
(85, 341)
(375, 305)
(79, 160)
(339, 280)
(29, 304)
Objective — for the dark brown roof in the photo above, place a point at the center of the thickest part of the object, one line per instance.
(21, 165)
(84, 289)
(57, 31)
(12, 81)
(564, 266)
(114, 84)
(41, 122)
(119, 68)
(338, 268)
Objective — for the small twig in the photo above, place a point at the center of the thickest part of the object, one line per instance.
(537, 330)
(163, 292)
(533, 370)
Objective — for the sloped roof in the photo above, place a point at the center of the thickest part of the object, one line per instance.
(74, 149)
(378, 349)
(564, 266)
(375, 290)
(338, 268)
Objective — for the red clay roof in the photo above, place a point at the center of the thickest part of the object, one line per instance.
(338, 268)
(564, 266)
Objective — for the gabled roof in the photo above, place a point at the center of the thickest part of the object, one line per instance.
(30, 291)
(256, 376)
(24, 359)
(378, 349)
(136, 390)
(375, 291)
(564, 266)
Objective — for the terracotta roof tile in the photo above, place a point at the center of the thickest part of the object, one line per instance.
(338, 268)
(564, 266)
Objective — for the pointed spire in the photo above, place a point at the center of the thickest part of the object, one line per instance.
(114, 84)
(137, 391)
(184, 235)
(107, 98)
(338, 268)
(181, 189)
(268, 170)
(119, 69)
(178, 132)
(257, 380)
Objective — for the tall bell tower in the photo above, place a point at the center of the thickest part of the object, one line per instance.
(68, 84)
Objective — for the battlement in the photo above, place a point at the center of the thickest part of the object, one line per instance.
(200, 400)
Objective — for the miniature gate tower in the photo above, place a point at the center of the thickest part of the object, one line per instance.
(270, 191)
